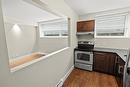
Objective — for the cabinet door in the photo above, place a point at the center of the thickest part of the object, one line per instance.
(100, 60)
(85, 26)
(104, 62)
(111, 67)
(120, 71)
(80, 27)
(89, 25)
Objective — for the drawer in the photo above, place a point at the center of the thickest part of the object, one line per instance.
(84, 66)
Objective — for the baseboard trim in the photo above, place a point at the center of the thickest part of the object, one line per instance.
(67, 74)
(62, 80)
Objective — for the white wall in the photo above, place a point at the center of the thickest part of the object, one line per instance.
(20, 41)
(91, 16)
(121, 43)
(45, 73)
(49, 45)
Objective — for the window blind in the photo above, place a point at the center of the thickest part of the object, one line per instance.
(112, 25)
(55, 28)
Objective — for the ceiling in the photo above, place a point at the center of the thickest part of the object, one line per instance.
(24, 13)
(82, 7)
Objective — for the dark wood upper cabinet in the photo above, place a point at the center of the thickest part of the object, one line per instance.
(86, 26)
(104, 62)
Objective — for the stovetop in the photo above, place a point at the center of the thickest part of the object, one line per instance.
(85, 46)
(86, 42)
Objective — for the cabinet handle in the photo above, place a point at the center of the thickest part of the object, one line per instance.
(120, 69)
(128, 70)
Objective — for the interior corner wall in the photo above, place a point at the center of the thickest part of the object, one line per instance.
(45, 73)
(119, 43)
(20, 41)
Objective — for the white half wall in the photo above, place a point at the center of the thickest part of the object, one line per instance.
(45, 73)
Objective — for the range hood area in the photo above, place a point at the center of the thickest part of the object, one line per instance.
(85, 33)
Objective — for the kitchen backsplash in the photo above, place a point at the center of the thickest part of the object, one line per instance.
(86, 38)
(119, 43)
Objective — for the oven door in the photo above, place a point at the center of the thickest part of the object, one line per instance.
(84, 57)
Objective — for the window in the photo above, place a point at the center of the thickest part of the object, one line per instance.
(54, 28)
(111, 25)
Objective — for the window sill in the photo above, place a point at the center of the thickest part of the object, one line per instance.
(111, 37)
(23, 65)
(54, 37)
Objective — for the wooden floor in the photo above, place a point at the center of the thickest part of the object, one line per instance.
(82, 78)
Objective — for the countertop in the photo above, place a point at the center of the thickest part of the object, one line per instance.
(123, 53)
